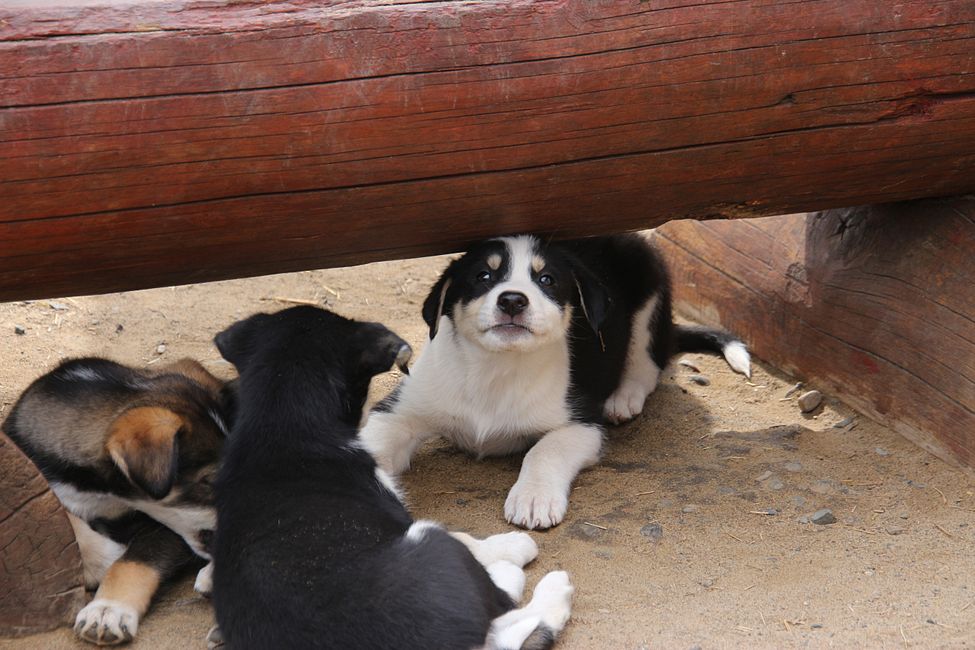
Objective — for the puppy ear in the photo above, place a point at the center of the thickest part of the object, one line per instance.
(593, 297)
(380, 349)
(142, 442)
(433, 306)
(234, 342)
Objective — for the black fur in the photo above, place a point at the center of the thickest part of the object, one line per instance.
(310, 549)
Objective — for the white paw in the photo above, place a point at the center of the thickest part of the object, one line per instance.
(515, 547)
(552, 599)
(508, 578)
(535, 505)
(204, 580)
(626, 402)
(107, 622)
(390, 457)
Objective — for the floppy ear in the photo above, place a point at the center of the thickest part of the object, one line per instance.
(593, 297)
(142, 442)
(234, 342)
(433, 306)
(380, 349)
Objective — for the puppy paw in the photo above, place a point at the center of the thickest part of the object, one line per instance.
(625, 403)
(552, 599)
(535, 505)
(204, 581)
(107, 622)
(517, 548)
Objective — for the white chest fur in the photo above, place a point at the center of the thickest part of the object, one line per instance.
(488, 402)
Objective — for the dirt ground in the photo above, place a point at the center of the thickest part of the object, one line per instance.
(688, 533)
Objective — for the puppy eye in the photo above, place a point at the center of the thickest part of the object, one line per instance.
(546, 280)
(483, 276)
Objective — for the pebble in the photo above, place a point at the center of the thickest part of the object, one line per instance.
(793, 466)
(895, 530)
(776, 484)
(19, 331)
(810, 400)
(903, 515)
(804, 519)
(816, 626)
(842, 424)
(822, 487)
(880, 451)
(603, 555)
(461, 502)
(58, 306)
(799, 501)
(690, 508)
(700, 380)
(119, 328)
(823, 517)
(793, 389)
(764, 476)
(653, 531)
(689, 365)
(160, 348)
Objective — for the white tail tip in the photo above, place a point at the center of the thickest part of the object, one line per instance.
(738, 358)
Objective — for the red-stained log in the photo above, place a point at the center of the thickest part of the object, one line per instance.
(875, 305)
(41, 581)
(170, 141)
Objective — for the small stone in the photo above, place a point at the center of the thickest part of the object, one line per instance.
(793, 466)
(880, 451)
(792, 390)
(160, 348)
(461, 502)
(844, 423)
(687, 364)
(798, 501)
(895, 530)
(119, 328)
(903, 515)
(816, 626)
(19, 331)
(809, 401)
(764, 476)
(690, 508)
(700, 380)
(653, 531)
(707, 583)
(775, 484)
(603, 555)
(823, 517)
(58, 306)
(804, 519)
(822, 487)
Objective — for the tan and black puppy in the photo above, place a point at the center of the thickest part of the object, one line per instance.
(132, 455)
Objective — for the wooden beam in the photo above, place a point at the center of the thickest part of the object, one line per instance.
(171, 141)
(874, 305)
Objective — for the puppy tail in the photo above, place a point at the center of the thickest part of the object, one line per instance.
(715, 341)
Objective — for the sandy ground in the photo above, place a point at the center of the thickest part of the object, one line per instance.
(689, 532)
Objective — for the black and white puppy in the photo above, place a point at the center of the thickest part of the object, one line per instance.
(314, 547)
(132, 454)
(539, 344)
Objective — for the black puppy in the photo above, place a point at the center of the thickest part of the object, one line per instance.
(314, 547)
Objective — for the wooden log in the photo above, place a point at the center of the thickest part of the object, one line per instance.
(875, 305)
(41, 580)
(172, 141)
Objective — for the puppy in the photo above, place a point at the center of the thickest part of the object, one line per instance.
(132, 455)
(539, 344)
(314, 547)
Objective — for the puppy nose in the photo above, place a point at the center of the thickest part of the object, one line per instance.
(512, 302)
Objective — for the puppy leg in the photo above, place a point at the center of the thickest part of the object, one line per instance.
(515, 547)
(540, 496)
(541, 620)
(508, 577)
(154, 555)
(392, 439)
(640, 374)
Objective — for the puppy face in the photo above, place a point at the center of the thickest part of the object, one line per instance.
(510, 294)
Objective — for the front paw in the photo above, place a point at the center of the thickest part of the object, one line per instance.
(536, 505)
(107, 622)
(204, 580)
(625, 403)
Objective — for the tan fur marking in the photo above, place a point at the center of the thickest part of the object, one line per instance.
(141, 442)
(192, 369)
(131, 583)
(538, 263)
(494, 261)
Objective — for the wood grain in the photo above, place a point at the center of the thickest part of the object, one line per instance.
(41, 580)
(875, 305)
(173, 141)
